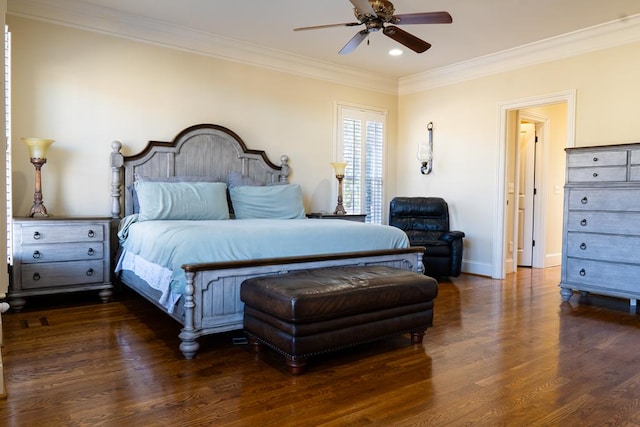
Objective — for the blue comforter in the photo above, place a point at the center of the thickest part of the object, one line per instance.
(172, 243)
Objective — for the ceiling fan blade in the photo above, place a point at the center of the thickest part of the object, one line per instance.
(409, 40)
(354, 42)
(364, 6)
(316, 27)
(422, 18)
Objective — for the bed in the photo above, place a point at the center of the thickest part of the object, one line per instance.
(213, 213)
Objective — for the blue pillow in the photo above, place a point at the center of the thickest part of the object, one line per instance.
(277, 201)
(182, 200)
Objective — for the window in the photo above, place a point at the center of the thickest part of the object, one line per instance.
(361, 145)
(7, 102)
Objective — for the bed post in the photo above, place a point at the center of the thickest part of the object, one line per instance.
(284, 169)
(189, 346)
(117, 160)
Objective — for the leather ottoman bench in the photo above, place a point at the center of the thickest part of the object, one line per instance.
(306, 313)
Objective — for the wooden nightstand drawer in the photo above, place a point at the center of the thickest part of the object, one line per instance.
(29, 234)
(61, 274)
(60, 252)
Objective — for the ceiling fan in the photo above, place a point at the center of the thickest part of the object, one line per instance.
(374, 14)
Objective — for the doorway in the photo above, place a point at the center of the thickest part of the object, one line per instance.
(506, 224)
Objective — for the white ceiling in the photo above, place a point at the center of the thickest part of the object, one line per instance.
(479, 28)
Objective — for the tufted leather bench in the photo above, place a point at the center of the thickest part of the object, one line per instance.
(305, 313)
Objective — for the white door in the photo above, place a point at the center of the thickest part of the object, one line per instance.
(526, 193)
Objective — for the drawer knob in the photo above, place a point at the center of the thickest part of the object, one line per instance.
(91, 234)
(583, 246)
(583, 272)
(583, 222)
(585, 199)
(37, 235)
(595, 174)
(595, 159)
(36, 254)
(90, 272)
(91, 252)
(36, 276)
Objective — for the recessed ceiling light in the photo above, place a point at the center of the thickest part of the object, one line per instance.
(395, 52)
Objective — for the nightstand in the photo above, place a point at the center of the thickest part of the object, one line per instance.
(55, 255)
(349, 217)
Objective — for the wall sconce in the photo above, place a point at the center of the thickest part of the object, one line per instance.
(425, 152)
(38, 155)
(339, 168)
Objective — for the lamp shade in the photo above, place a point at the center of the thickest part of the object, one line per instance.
(38, 147)
(339, 167)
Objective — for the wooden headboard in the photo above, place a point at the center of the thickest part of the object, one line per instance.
(205, 150)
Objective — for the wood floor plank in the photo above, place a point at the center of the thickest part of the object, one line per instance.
(501, 352)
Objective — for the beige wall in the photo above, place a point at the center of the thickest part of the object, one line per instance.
(86, 89)
(466, 132)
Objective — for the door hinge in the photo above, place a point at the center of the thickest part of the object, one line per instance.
(533, 243)
(536, 140)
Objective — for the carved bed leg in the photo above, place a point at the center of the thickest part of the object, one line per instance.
(417, 336)
(189, 335)
(296, 366)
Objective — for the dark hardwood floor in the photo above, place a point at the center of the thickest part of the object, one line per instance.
(501, 353)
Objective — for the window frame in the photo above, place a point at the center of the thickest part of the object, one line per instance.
(363, 114)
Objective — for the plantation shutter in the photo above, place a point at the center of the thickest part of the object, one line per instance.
(361, 145)
(7, 105)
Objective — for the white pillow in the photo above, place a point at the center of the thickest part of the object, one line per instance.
(277, 201)
(182, 200)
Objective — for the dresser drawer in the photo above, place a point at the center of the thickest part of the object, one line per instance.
(60, 252)
(597, 158)
(603, 247)
(48, 275)
(607, 199)
(598, 174)
(27, 234)
(634, 173)
(604, 275)
(604, 222)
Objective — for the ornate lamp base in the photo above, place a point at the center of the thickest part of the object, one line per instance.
(38, 206)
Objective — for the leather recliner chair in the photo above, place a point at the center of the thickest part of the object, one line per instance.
(426, 222)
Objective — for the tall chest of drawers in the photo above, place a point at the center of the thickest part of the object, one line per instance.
(601, 241)
(56, 255)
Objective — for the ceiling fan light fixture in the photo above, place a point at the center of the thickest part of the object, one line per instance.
(396, 52)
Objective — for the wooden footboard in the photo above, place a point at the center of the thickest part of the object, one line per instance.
(212, 294)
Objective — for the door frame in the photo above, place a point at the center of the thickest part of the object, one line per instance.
(500, 220)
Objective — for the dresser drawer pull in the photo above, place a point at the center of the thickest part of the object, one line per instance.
(91, 252)
(595, 174)
(90, 272)
(585, 199)
(36, 276)
(91, 234)
(36, 254)
(595, 159)
(583, 246)
(583, 222)
(37, 235)
(583, 272)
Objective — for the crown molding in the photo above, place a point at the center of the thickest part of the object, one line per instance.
(89, 17)
(85, 16)
(603, 36)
